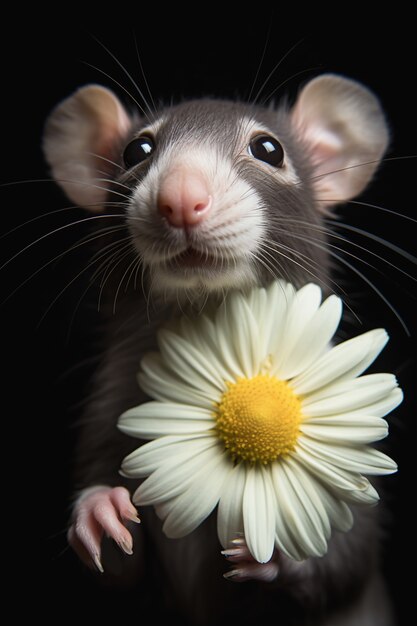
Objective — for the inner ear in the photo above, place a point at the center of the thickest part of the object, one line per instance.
(344, 130)
(82, 135)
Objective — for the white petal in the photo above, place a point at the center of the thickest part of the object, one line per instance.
(336, 363)
(242, 333)
(230, 511)
(303, 306)
(196, 503)
(328, 472)
(162, 509)
(273, 321)
(351, 395)
(349, 485)
(353, 418)
(205, 337)
(224, 332)
(284, 540)
(376, 409)
(304, 486)
(246, 336)
(155, 419)
(259, 514)
(368, 496)
(387, 404)
(293, 513)
(380, 338)
(367, 430)
(350, 386)
(189, 363)
(197, 331)
(165, 410)
(356, 459)
(146, 459)
(160, 383)
(175, 476)
(314, 338)
(339, 514)
(257, 301)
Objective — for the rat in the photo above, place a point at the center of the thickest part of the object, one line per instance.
(210, 196)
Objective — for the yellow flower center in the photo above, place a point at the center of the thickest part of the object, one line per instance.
(258, 418)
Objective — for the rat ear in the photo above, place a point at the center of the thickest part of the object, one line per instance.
(90, 122)
(343, 127)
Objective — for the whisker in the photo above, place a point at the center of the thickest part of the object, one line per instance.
(73, 207)
(142, 284)
(100, 156)
(374, 237)
(143, 74)
(261, 259)
(381, 208)
(123, 170)
(56, 230)
(91, 282)
(132, 263)
(274, 69)
(122, 255)
(39, 217)
(330, 233)
(364, 278)
(116, 82)
(62, 292)
(133, 270)
(135, 282)
(82, 183)
(112, 181)
(106, 230)
(362, 164)
(57, 258)
(287, 80)
(260, 63)
(342, 169)
(377, 291)
(103, 252)
(294, 261)
(117, 247)
(274, 246)
(122, 67)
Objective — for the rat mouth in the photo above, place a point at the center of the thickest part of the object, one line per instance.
(195, 260)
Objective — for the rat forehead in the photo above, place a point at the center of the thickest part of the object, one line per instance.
(210, 120)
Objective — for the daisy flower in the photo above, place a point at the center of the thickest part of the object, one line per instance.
(255, 412)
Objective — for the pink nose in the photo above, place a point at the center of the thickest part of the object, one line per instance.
(184, 199)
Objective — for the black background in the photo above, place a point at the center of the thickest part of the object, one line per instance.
(211, 55)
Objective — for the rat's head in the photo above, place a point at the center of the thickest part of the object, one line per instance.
(221, 194)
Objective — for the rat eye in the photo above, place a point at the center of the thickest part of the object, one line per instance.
(268, 149)
(137, 151)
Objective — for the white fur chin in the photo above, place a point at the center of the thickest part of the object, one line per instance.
(238, 277)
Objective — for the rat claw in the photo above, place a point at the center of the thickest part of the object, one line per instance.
(264, 572)
(236, 554)
(124, 545)
(97, 563)
(231, 552)
(249, 568)
(232, 574)
(101, 510)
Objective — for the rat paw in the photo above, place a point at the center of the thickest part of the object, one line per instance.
(245, 566)
(101, 510)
